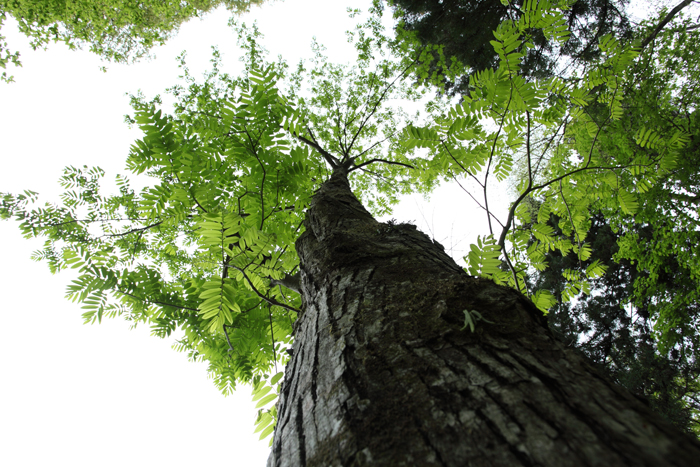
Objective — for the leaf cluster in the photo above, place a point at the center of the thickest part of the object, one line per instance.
(117, 30)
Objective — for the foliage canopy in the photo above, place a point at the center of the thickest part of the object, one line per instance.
(117, 30)
(207, 245)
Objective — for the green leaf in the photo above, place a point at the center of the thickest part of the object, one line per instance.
(544, 300)
(628, 202)
(265, 400)
(267, 431)
(276, 378)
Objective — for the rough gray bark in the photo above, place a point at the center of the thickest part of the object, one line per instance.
(383, 374)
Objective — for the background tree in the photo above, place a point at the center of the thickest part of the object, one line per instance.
(118, 30)
(463, 28)
(639, 320)
(615, 330)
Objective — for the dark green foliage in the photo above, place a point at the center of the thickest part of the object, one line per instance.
(618, 335)
(465, 28)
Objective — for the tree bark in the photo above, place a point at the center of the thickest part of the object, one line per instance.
(384, 372)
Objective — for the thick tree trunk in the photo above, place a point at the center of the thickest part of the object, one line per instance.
(384, 373)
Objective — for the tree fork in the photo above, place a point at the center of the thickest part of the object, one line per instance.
(384, 374)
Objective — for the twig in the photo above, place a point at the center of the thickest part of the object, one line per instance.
(380, 99)
(156, 302)
(664, 22)
(272, 334)
(475, 200)
(271, 301)
(573, 226)
(380, 160)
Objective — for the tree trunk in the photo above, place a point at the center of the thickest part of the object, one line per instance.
(384, 372)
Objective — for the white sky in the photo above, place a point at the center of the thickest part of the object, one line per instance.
(106, 395)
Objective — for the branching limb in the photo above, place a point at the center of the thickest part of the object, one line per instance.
(271, 301)
(530, 189)
(379, 100)
(332, 160)
(291, 282)
(371, 147)
(476, 201)
(409, 166)
(664, 22)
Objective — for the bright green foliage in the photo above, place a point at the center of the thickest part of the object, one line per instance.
(197, 249)
(483, 260)
(118, 30)
(550, 131)
(264, 393)
(228, 176)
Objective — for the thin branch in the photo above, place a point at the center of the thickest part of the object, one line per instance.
(136, 244)
(272, 334)
(156, 302)
(89, 221)
(529, 152)
(197, 202)
(379, 101)
(227, 338)
(511, 212)
(141, 229)
(271, 301)
(461, 166)
(357, 112)
(228, 325)
(344, 136)
(409, 166)
(493, 151)
(513, 271)
(475, 200)
(371, 147)
(262, 186)
(383, 178)
(571, 219)
(664, 22)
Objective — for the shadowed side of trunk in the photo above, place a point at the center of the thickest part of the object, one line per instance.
(384, 371)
